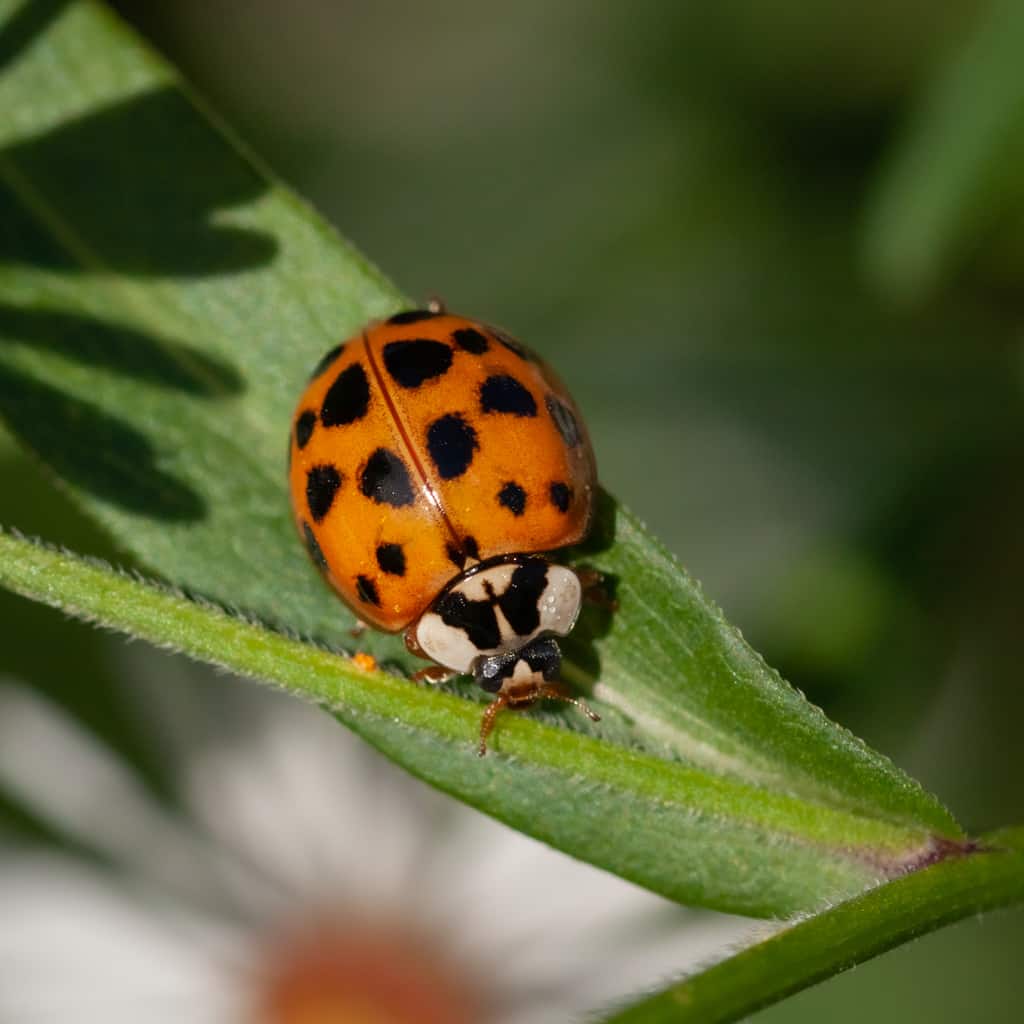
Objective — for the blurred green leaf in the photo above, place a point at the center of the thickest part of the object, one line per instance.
(161, 304)
(957, 168)
(842, 937)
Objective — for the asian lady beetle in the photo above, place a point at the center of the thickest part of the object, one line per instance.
(432, 459)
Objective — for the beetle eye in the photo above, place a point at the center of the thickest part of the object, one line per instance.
(544, 656)
(490, 673)
(490, 683)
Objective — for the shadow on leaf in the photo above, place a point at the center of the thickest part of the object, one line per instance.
(122, 350)
(597, 613)
(132, 188)
(93, 450)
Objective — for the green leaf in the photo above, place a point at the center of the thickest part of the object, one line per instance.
(162, 301)
(990, 876)
(691, 835)
(957, 167)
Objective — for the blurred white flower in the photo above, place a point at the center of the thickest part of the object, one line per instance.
(299, 879)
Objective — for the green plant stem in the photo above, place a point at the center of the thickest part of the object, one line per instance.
(829, 943)
(690, 835)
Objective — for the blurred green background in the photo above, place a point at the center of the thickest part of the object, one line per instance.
(778, 252)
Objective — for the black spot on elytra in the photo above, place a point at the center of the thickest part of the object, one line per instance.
(513, 497)
(561, 496)
(458, 553)
(412, 316)
(564, 420)
(386, 480)
(347, 399)
(502, 393)
(304, 427)
(391, 559)
(313, 547)
(367, 590)
(410, 363)
(470, 340)
(475, 618)
(521, 600)
(451, 442)
(322, 483)
(325, 360)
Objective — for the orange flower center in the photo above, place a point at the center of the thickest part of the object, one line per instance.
(327, 975)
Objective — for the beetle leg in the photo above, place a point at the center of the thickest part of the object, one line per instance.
(595, 590)
(547, 691)
(487, 721)
(411, 643)
(433, 674)
(552, 691)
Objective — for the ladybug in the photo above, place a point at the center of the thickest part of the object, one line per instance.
(432, 460)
